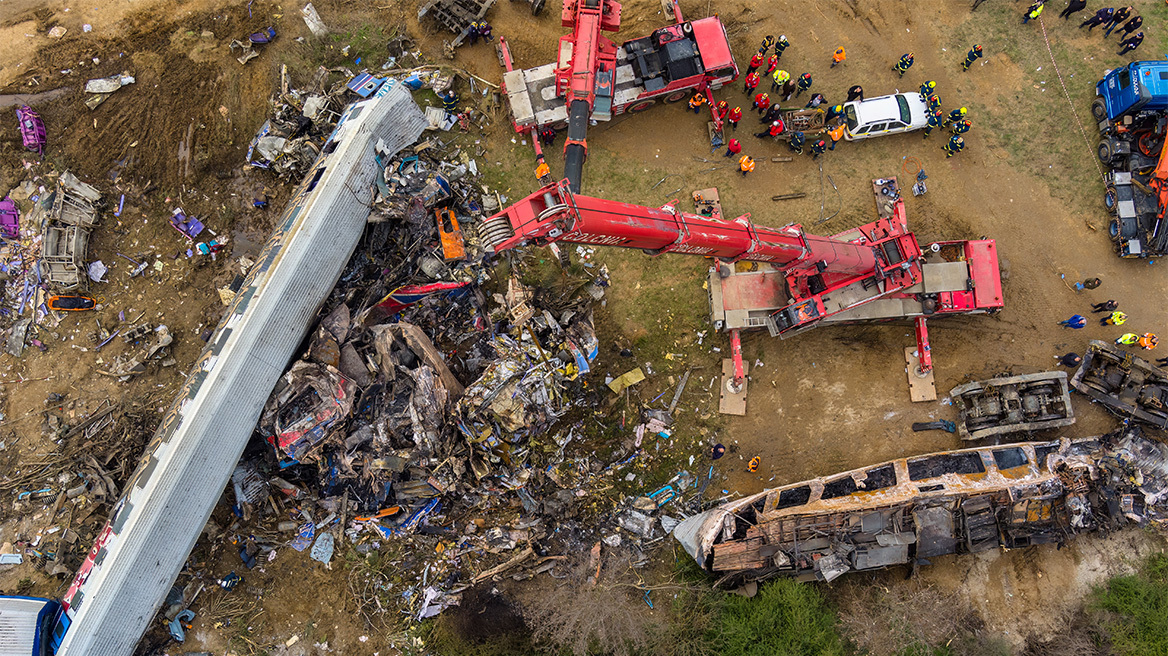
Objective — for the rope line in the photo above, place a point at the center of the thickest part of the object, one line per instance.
(1066, 93)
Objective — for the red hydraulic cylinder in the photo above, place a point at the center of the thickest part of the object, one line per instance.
(924, 351)
(554, 214)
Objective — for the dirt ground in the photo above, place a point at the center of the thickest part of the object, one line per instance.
(826, 401)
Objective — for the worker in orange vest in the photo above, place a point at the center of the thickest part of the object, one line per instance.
(1147, 341)
(746, 165)
(733, 148)
(755, 62)
(836, 134)
(750, 84)
(761, 103)
(696, 101)
(734, 116)
(838, 57)
(752, 466)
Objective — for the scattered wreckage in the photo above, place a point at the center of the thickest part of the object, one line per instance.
(1126, 385)
(913, 509)
(1012, 404)
(67, 216)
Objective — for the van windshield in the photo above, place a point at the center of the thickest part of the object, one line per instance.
(905, 116)
(850, 113)
(1125, 78)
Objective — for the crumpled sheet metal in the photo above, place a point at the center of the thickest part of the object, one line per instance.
(326, 400)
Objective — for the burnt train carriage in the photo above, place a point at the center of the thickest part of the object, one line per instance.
(1012, 404)
(1126, 385)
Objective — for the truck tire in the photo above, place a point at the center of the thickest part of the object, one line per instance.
(677, 96)
(642, 106)
(1111, 200)
(1099, 108)
(1104, 152)
(1113, 230)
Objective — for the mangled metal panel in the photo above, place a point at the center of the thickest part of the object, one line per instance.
(1126, 385)
(1012, 404)
(155, 524)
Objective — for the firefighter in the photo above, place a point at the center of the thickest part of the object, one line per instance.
(960, 127)
(934, 103)
(750, 84)
(778, 79)
(796, 144)
(485, 30)
(1130, 26)
(1073, 6)
(1131, 43)
(1106, 306)
(836, 134)
(767, 43)
(805, 83)
(955, 115)
(973, 55)
(721, 108)
(547, 135)
(733, 148)
(696, 101)
(773, 130)
(1127, 339)
(1147, 341)
(838, 57)
(734, 116)
(1033, 11)
(835, 111)
(905, 63)
(772, 64)
(1100, 17)
(752, 466)
(761, 102)
(956, 144)
(1116, 318)
(755, 62)
(855, 93)
(449, 101)
(818, 148)
(746, 165)
(472, 32)
(927, 89)
(935, 119)
(1118, 17)
(782, 45)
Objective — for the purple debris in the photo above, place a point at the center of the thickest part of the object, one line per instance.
(9, 219)
(189, 226)
(32, 129)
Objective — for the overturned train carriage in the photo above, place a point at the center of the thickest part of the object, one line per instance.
(1124, 384)
(1012, 404)
(913, 509)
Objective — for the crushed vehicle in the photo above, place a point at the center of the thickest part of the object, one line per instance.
(909, 510)
(1126, 385)
(32, 130)
(1012, 404)
(72, 212)
(458, 16)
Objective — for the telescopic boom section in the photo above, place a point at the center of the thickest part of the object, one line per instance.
(585, 73)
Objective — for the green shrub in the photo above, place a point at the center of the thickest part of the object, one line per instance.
(786, 618)
(1135, 609)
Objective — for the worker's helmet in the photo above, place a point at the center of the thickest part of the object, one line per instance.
(783, 38)
(1140, 34)
(964, 111)
(977, 48)
(910, 55)
(932, 84)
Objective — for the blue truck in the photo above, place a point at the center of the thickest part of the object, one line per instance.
(1131, 109)
(27, 626)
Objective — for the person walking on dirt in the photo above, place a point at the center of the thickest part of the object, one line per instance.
(973, 55)
(745, 165)
(955, 145)
(1033, 11)
(1147, 341)
(1076, 321)
(796, 143)
(1116, 318)
(960, 127)
(733, 117)
(696, 101)
(752, 466)
(1070, 360)
(782, 45)
(1105, 306)
(1127, 339)
(836, 134)
(905, 63)
(772, 131)
(766, 44)
(778, 79)
(1130, 26)
(1072, 7)
(733, 148)
(1131, 43)
(772, 64)
(761, 102)
(816, 101)
(755, 62)
(805, 83)
(750, 84)
(855, 93)
(838, 57)
(1100, 17)
(927, 89)
(955, 115)
(818, 148)
(1120, 15)
(717, 451)
(934, 120)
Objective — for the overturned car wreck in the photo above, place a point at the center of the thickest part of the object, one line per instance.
(1013, 404)
(912, 509)
(1124, 384)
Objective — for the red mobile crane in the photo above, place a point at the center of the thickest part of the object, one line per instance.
(594, 79)
(876, 272)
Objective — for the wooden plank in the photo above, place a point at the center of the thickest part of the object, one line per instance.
(730, 403)
(919, 388)
(788, 196)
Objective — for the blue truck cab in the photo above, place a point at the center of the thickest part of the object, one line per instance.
(1128, 92)
(28, 626)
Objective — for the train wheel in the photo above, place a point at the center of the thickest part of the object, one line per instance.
(676, 96)
(642, 106)
(1113, 230)
(1111, 199)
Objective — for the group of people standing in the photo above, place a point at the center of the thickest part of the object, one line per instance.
(1112, 316)
(1124, 21)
